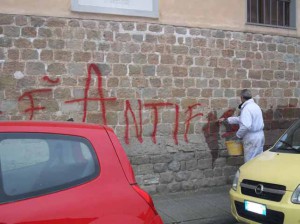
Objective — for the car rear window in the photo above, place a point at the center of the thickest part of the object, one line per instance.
(34, 164)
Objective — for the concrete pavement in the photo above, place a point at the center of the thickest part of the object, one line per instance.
(209, 206)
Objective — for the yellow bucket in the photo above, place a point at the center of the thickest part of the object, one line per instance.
(234, 148)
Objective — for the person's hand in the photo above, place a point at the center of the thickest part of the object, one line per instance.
(235, 138)
(222, 119)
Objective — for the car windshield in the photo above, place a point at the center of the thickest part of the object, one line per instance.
(290, 141)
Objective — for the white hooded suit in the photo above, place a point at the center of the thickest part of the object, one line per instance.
(251, 127)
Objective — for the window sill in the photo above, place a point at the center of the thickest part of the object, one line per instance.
(271, 26)
(271, 30)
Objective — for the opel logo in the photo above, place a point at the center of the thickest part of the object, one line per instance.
(259, 189)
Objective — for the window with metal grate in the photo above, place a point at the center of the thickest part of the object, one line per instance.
(275, 13)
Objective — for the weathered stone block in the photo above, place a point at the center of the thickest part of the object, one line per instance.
(144, 169)
(5, 42)
(139, 58)
(181, 30)
(12, 54)
(35, 68)
(161, 159)
(180, 49)
(39, 43)
(56, 44)
(28, 54)
(180, 71)
(155, 82)
(6, 19)
(137, 38)
(186, 185)
(150, 38)
(113, 82)
(119, 70)
(36, 21)
(174, 166)
(182, 176)
(11, 31)
(166, 178)
(195, 72)
(219, 73)
(55, 22)
(148, 70)
(174, 187)
(138, 160)
(160, 167)
(89, 46)
(123, 37)
(45, 32)
(82, 56)
(9, 68)
(62, 93)
(219, 103)
(69, 81)
(199, 42)
(125, 93)
(128, 26)
(141, 27)
(46, 55)
(195, 31)
(247, 64)
(29, 32)
(21, 20)
(155, 28)
(62, 55)
(57, 69)
(90, 24)
(74, 44)
(93, 34)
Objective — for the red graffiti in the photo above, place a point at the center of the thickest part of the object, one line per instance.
(138, 130)
(211, 129)
(212, 126)
(176, 124)
(228, 113)
(32, 107)
(190, 117)
(155, 107)
(101, 98)
(230, 129)
(51, 81)
(211, 133)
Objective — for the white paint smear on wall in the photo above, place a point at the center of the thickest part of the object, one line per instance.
(18, 75)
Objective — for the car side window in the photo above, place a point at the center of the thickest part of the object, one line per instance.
(19, 158)
(34, 164)
(17, 153)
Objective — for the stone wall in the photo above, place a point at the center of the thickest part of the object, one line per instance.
(160, 87)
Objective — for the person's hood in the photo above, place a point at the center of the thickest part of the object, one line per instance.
(275, 168)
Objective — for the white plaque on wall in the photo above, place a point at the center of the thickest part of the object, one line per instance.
(143, 8)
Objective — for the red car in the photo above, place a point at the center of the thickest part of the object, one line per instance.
(63, 172)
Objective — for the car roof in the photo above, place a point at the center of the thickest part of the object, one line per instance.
(51, 124)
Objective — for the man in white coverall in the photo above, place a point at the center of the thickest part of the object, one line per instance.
(251, 126)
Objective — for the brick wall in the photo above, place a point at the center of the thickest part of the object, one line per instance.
(160, 87)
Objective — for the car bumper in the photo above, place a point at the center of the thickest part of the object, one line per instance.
(285, 208)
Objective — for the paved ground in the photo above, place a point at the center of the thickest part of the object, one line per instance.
(211, 206)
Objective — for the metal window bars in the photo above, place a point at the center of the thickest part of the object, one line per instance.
(277, 13)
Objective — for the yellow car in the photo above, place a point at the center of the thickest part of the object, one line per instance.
(267, 189)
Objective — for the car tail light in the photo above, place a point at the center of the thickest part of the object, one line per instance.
(145, 196)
